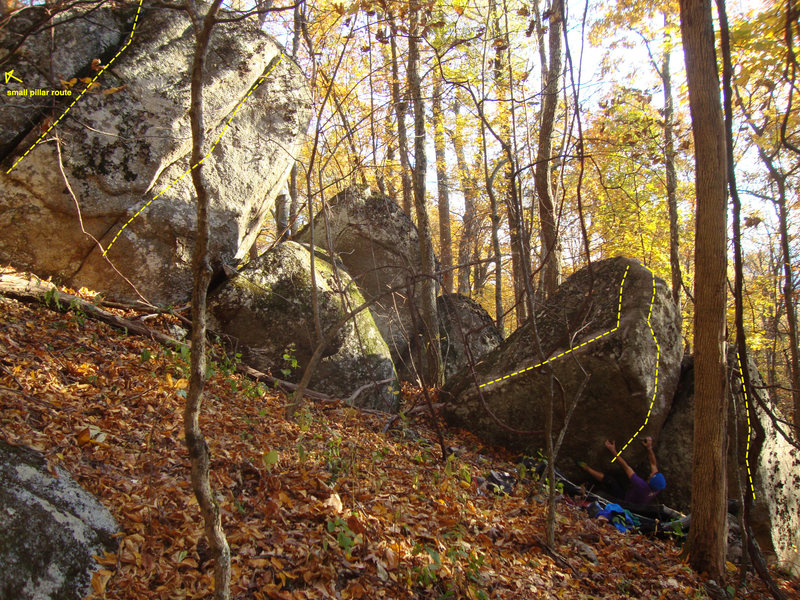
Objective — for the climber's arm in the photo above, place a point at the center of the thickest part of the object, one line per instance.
(612, 447)
(651, 456)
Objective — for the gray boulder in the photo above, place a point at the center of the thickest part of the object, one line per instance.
(379, 246)
(50, 527)
(267, 307)
(122, 149)
(775, 511)
(626, 337)
(78, 37)
(464, 324)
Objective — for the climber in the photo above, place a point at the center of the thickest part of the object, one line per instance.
(640, 492)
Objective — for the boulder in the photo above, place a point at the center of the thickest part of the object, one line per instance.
(51, 529)
(623, 331)
(775, 513)
(464, 324)
(267, 307)
(674, 442)
(379, 246)
(78, 36)
(124, 153)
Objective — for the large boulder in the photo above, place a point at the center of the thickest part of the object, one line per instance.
(26, 41)
(674, 442)
(464, 325)
(51, 528)
(775, 513)
(122, 149)
(267, 307)
(622, 331)
(379, 246)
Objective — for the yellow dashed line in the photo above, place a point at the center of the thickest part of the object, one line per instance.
(619, 312)
(88, 87)
(190, 169)
(655, 384)
(749, 430)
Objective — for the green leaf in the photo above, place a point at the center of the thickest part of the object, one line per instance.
(270, 458)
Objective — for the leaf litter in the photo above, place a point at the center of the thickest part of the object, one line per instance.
(328, 506)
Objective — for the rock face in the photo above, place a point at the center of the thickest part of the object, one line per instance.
(122, 149)
(379, 246)
(776, 476)
(267, 306)
(625, 336)
(75, 43)
(674, 443)
(51, 528)
(463, 323)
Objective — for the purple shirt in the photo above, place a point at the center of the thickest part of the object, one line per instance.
(639, 492)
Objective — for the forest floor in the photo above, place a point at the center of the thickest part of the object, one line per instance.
(328, 506)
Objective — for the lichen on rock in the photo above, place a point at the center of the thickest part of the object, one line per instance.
(51, 529)
(120, 150)
(267, 307)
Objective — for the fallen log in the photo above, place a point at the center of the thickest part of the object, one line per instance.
(29, 288)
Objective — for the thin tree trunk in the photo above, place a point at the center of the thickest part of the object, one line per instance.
(391, 191)
(195, 442)
(791, 315)
(400, 107)
(433, 371)
(495, 219)
(788, 288)
(672, 180)
(551, 248)
(707, 536)
(281, 219)
(355, 157)
(443, 184)
(468, 187)
(294, 205)
(754, 450)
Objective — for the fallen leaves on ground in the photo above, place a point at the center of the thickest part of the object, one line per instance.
(328, 506)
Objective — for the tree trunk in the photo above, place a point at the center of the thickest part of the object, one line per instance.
(443, 184)
(469, 227)
(495, 219)
(400, 108)
(281, 218)
(672, 180)
(389, 181)
(707, 536)
(788, 299)
(294, 205)
(501, 73)
(195, 442)
(551, 248)
(433, 371)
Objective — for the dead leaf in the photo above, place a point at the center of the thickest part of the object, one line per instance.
(100, 580)
(334, 502)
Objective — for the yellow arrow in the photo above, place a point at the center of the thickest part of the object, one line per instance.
(10, 76)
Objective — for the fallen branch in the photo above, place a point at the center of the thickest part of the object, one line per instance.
(355, 394)
(33, 289)
(287, 385)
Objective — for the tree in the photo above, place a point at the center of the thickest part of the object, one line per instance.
(433, 371)
(707, 536)
(201, 270)
(765, 97)
(551, 249)
(470, 224)
(443, 184)
(400, 107)
(669, 161)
